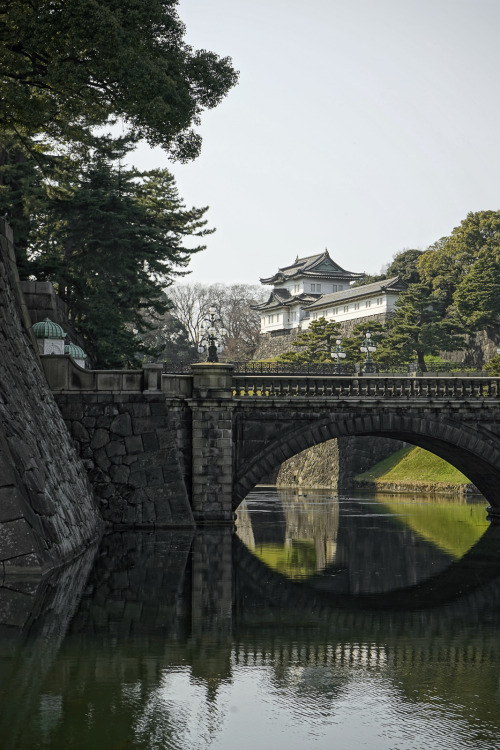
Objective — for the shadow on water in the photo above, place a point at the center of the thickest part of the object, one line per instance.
(140, 643)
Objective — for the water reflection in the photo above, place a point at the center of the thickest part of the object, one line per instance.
(181, 640)
(367, 544)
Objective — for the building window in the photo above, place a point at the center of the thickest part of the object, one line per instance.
(334, 287)
(346, 308)
(336, 311)
(368, 303)
(356, 305)
(379, 300)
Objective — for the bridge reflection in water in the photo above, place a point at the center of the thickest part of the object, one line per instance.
(188, 639)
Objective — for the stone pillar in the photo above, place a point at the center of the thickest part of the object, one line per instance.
(212, 413)
(152, 377)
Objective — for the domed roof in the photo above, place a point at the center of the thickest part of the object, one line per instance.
(75, 351)
(46, 329)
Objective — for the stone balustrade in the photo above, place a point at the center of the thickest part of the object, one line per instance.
(336, 387)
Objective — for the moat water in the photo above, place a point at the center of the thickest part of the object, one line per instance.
(324, 622)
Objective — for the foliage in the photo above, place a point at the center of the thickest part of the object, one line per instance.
(110, 240)
(419, 326)
(167, 338)
(314, 344)
(463, 268)
(493, 366)
(70, 65)
(405, 265)
(353, 343)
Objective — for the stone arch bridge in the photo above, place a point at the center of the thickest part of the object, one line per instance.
(165, 449)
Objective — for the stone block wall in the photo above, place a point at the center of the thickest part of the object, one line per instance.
(133, 448)
(335, 463)
(275, 343)
(47, 510)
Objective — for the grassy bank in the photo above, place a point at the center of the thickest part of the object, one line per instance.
(413, 468)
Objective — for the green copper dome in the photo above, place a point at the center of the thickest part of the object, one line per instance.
(75, 351)
(46, 329)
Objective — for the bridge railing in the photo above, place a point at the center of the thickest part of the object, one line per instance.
(273, 386)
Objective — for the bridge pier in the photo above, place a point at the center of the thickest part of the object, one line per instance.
(212, 409)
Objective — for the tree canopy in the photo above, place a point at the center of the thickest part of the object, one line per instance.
(67, 66)
(315, 343)
(111, 239)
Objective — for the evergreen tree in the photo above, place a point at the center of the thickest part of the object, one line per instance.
(352, 344)
(111, 241)
(67, 66)
(315, 343)
(419, 327)
(405, 265)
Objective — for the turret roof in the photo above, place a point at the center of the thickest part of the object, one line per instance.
(75, 351)
(47, 329)
(319, 266)
(283, 298)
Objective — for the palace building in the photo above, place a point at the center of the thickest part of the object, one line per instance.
(315, 287)
(297, 286)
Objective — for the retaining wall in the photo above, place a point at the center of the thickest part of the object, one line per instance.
(47, 510)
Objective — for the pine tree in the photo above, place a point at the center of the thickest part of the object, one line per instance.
(111, 241)
(315, 343)
(419, 327)
(353, 343)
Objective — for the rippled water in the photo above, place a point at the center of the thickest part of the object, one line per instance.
(324, 622)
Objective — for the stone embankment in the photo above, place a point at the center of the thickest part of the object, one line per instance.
(47, 510)
(424, 488)
(335, 463)
(128, 444)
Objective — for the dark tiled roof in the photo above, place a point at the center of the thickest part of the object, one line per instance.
(387, 285)
(283, 298)
(309, 266)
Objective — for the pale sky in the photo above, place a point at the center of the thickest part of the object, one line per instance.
(363, 126)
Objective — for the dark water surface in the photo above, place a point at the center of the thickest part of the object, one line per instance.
(325, 622)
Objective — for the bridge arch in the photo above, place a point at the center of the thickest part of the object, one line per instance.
(473, 453)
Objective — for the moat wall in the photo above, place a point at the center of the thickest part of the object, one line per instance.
(47, 509)
(335, 463)
(131, 446)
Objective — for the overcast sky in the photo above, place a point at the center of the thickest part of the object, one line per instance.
(363, 126)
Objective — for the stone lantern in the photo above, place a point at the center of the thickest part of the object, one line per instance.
(77, 353)
(50, 337)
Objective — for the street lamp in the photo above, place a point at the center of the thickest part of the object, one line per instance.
(366, 348)
(211, 337)
(338, 354)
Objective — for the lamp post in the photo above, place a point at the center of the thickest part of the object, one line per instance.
(366, 348)
(211, 337)
(338, 354)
